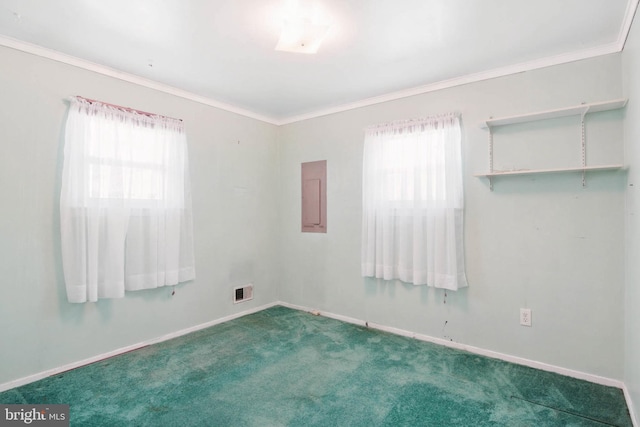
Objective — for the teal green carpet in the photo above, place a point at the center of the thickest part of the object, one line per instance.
(282, 367)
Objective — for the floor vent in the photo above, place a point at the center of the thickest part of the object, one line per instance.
(242, 293)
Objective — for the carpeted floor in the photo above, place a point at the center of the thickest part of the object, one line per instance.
(282, 367)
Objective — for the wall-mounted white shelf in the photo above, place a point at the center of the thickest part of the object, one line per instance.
(581, 110)
(557, 170)
(552, 114)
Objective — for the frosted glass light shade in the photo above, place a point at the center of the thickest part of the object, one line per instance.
(301, 36)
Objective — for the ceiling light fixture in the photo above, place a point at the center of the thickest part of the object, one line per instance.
(301, 36)
(304, 28)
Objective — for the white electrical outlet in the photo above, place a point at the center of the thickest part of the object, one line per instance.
(525, 316)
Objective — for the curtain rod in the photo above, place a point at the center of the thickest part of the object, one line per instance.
(411, 122)
(120, 107)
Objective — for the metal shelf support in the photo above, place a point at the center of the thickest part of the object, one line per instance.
(582, 109)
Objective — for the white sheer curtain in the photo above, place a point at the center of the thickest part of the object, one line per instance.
(412, 224)
(125, 204)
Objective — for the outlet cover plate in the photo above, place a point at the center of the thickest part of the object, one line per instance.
(525, 316)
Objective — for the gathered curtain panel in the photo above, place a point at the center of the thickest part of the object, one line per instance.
(413, 202)
(125, 203)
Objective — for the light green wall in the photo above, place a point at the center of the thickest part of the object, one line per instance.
(631, 71)
(234, 181)
(542, 242)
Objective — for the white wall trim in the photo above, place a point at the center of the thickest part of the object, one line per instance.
(127, 77)
(54, 371)
(472, 349)
(614, 47)
(632, 412)
(462, 80)
(625, 28)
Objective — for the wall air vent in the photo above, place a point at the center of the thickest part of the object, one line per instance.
(242, 293)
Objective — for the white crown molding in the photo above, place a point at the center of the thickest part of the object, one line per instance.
(131, 78)
(462, 80)
(625, 28)
(614, 47)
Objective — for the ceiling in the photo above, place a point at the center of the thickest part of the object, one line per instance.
(221, 52)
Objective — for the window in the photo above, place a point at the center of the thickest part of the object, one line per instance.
(412, 226)
(125, 203)
(136, 175)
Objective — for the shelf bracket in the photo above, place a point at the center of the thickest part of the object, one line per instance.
(583, 145)
(582, 110)
(490, 157)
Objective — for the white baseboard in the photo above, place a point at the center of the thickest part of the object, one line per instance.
(476, 350)
(99, 357)
(483, 352)
(632, 412)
